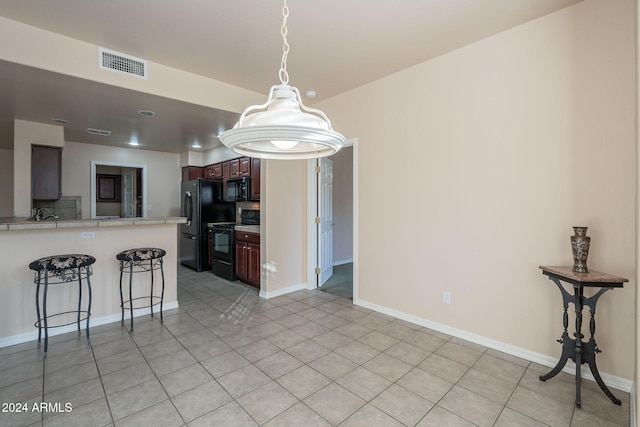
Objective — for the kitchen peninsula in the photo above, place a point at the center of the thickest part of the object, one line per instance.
(22, 241)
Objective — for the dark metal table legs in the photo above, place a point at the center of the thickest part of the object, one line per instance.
(575, 349)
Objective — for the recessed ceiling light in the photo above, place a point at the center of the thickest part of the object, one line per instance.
(146, 113)
(134, 143)
(196, 145)
(310, 94)
(60, 121)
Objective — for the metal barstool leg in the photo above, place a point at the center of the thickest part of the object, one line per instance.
(89, 307)
(38, 307)
(131, 292)
(44, 310)
(151, 297)
(121, 297)
(161, 295)
(79, 298)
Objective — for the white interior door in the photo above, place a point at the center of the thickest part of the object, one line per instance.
(128, 193)
(325, 213)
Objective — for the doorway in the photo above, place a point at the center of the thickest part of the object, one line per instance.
(118, 190)
(343, 281)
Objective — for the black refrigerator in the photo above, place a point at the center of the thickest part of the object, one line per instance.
(201, 204)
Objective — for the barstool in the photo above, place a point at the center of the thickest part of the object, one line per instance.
(141, 260)
(63, 269)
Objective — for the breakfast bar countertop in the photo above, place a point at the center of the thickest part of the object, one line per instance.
(17, 223)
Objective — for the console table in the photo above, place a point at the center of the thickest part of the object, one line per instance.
(574, 348)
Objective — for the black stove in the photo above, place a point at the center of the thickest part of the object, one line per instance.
(223, 243)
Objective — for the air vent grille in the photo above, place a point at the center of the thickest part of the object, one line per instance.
(121, 63)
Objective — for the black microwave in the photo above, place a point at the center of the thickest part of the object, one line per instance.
(238, 190)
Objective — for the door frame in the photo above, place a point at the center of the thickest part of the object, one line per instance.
(312, 209)
(95, 163)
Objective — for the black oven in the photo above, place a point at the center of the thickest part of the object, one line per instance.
(223, 243)
(222, 250)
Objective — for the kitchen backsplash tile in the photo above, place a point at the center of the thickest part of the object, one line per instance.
(67, 207)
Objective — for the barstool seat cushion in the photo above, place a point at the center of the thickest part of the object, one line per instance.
(62, 262)
(140, 254)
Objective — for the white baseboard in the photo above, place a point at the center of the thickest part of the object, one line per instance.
(279, 292)
(612, 381)
(344, 261)
(632, 405)
(95, 321)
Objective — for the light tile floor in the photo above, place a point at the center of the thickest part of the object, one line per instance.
(228, 358)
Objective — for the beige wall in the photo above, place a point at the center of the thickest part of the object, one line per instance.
(635, 396)
(19, 248)
(503, 145)
(6, 183)
(343, 206)
(163, 174)
(217, 155)
(283, 225)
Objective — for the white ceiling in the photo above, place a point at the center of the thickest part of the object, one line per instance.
(335, 46)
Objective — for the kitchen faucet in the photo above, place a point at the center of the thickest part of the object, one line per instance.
(39, 214)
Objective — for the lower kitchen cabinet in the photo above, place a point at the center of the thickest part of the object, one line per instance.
(248, 258)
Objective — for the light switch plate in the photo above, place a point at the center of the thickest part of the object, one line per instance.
(88, 234)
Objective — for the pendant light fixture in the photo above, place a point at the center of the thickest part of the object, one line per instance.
(283, 127)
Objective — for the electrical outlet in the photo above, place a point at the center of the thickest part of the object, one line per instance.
(88, 234)
(446, 297)
(149, 208)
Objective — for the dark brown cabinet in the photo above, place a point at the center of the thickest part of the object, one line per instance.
(254, 194)
(234, 169)
(226, 174)
(192, 172)
(248, 258)
(239, 168)
(46, 172)
(213, 171)
(244, 167)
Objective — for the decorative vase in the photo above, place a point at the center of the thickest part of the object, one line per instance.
(580, 248)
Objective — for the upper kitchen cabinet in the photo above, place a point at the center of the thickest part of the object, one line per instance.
(245, 167)
(192, 172)
(213, 171)
(254, 193)
(239, 168)
(46, 172)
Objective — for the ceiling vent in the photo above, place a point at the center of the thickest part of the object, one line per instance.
(100, 132)
(122, 63)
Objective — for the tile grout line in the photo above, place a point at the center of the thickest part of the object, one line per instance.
(106, 398)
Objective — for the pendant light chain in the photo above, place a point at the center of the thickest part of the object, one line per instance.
(283, 127)
(284, 75)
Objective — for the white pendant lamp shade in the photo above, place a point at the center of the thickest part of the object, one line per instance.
(283, 127)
